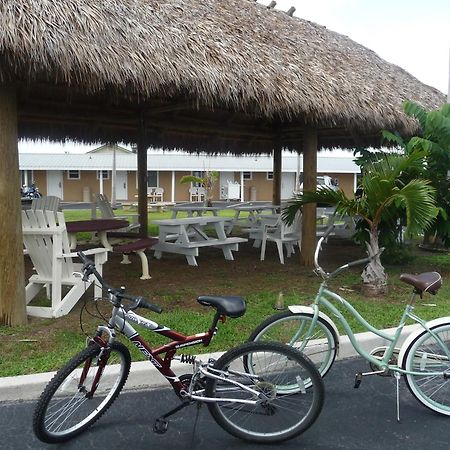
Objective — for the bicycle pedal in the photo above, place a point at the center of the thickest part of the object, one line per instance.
(358, 379)
(160, 426)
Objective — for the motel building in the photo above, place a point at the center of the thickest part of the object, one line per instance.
(75, 177)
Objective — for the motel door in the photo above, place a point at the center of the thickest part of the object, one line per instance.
(287, 184)
(55, 183)
(122, 185)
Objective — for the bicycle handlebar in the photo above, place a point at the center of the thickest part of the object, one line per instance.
(357, 262)
(139, 302)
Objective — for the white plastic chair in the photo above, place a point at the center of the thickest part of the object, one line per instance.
(47, 243)
(346, 229)
(281, 234)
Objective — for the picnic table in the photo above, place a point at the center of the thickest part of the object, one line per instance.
(254, 210)
(194, 209)
(185, 236)
(99, 226)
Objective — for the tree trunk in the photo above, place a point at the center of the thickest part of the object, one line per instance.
(373, 276)
(12, 277)
(309, 217)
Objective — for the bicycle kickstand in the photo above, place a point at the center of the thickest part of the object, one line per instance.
(397, 379)
(161, 424)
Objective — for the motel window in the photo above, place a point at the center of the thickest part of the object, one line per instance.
(270, 175)
(105, 174)
(247, 175)
(73, 174)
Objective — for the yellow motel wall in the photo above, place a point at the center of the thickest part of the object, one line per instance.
(345, 181)
(259, 185)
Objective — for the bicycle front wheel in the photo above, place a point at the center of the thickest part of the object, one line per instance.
(280, 394)
(81, 392)
(426, 355)
(292, 328)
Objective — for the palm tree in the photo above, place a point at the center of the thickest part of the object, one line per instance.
(385, 188)
(435, 140)
(207, 181)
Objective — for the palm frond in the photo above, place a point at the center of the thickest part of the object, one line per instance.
(417, 197)
(414, 110)
(324, 195)
(395, 138)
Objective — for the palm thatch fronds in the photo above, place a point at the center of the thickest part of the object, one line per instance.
(234, 55)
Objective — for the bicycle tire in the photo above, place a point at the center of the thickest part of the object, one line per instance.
(287, 407)
(62, 413)
(425, 355)
(322, 347)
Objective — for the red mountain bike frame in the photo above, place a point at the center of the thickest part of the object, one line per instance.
(120, 320)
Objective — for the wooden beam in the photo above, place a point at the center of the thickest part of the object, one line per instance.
(142, 179)
(12, 272)
(310, 149)
(277, 168)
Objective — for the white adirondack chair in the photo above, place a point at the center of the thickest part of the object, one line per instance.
(46, 240)
(106, 211)
(197, 194)
(46, 203)
(281, 234)
(155, 194)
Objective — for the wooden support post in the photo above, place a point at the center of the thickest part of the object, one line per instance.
(277, 163)
(142, 182)
(310, 149)
(12, 273)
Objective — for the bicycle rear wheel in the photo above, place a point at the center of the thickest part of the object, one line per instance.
(68, 404)
(426, 355)
(277, 374)
(291, 328)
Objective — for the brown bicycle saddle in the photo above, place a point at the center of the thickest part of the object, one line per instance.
(424, 282)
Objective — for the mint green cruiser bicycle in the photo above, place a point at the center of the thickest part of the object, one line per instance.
(423, 359)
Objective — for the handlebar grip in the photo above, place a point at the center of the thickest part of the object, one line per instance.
(359, 262)
(141, 302)
(328, 231)
(85, 260)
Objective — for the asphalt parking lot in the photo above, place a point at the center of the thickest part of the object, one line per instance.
(359, 419)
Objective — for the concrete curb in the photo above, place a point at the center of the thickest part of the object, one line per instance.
(144, 376)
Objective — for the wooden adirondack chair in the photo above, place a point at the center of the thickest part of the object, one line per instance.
(197, 194)
(46, 203)
(106, 211)
(46, 240)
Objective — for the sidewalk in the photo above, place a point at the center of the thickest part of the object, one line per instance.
(143, 375)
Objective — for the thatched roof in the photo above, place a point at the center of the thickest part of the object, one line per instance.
(227, 74)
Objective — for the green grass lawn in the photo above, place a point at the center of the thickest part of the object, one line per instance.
(46, 344)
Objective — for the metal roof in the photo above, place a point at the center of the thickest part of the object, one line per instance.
(341, 163)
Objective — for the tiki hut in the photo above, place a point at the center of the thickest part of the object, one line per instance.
(216, 76)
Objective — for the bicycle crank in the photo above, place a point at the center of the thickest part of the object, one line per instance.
(378, 353)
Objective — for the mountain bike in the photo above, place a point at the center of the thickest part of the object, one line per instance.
(259, 392)
(423, 359)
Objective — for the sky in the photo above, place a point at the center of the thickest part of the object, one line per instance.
(413, 34)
